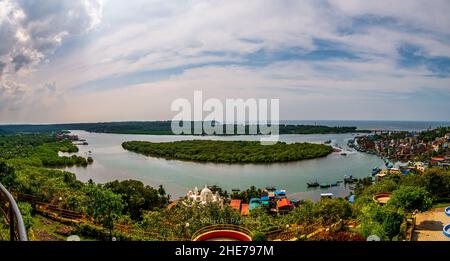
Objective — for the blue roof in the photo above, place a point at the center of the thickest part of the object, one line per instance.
(280, 192)
(351, 199)
(265, 198)
(254, 202)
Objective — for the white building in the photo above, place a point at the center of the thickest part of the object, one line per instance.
(205, 196)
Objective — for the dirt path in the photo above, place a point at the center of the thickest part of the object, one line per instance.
(429, 226)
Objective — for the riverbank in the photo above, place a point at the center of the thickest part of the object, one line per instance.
(112, 162)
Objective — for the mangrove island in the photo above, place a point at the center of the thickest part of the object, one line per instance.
(229, 151)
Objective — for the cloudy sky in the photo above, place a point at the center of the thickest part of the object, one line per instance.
(77, 61)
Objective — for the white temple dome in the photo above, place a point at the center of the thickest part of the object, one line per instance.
(206, 195)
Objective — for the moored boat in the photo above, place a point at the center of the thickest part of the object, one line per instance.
(349, 178)
(325, 185)
(375, 171)
(326, 195)
(313, 184)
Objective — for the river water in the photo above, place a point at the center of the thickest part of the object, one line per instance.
(112, 162)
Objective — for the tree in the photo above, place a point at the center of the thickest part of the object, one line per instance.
(304, 214)
(259, 236)
(7, 175)
(103, 205)
(411, 198)
(392, 220)
(332, 210)
(437, 182)
(382, 221)
(138, 197)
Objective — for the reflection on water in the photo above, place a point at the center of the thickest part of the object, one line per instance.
(112, 162)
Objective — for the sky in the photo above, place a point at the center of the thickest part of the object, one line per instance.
(114, 60)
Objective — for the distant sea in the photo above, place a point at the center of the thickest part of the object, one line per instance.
(375, 125)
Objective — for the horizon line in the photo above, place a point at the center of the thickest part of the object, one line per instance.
(124, 121)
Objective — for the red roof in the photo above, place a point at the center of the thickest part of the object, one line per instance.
(284, 202)
(245, 211)
(437, 159)
(171, 204)
(236, 204)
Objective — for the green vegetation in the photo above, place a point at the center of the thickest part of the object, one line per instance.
(413, 192)
(259, 237)
(247, 194)
(326, 212)
(138, 197)
(103, 205)
(129, 210)
(26, 162)
(382, 221)
(431, 135)
(410, 198)
(162, 128)
(39, 150)
(229, 151)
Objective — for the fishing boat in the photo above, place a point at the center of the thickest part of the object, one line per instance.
(375, 171)
(325, 185)
(313, 184)
(343, 154)
(327, 142)
(334, 184)
(349, 178)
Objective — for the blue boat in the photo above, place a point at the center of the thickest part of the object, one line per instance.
(280, 193)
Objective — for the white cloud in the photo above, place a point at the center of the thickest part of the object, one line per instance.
(30, 31)
(139, 36)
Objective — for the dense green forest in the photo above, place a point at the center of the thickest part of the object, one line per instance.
(229, 151)
(27, 164)
(39, 150)
(161, 128)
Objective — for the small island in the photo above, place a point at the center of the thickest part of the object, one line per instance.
(229, 151)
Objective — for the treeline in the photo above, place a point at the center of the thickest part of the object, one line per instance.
(229, 151)
(164, 128)
(244, 196)
(40, 150)
(431, 135)
(25, 168)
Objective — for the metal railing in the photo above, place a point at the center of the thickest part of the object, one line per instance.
(13, 217)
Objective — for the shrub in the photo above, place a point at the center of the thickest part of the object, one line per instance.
(259, 236)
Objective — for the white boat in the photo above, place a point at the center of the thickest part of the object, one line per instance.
(326, 195)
